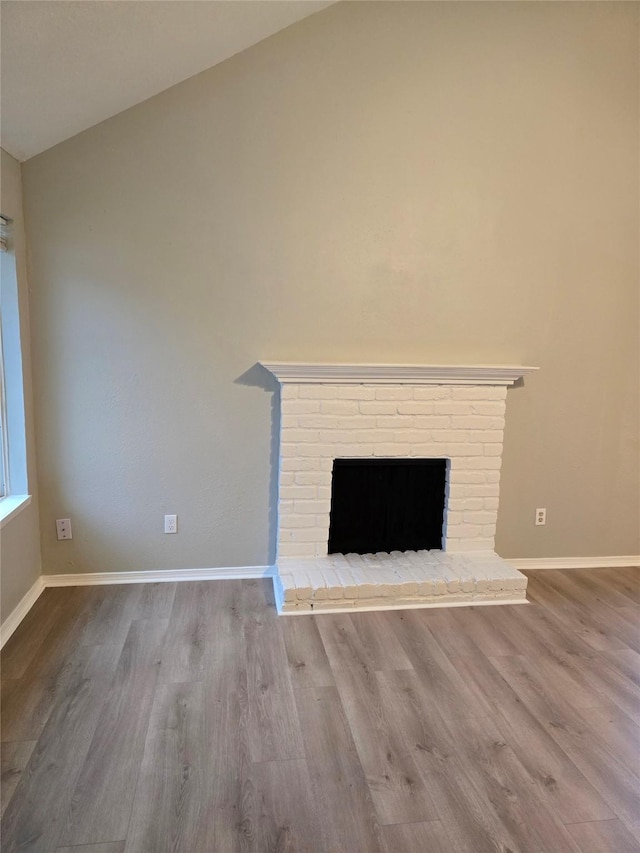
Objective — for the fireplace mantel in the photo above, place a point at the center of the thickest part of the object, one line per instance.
(396, 374)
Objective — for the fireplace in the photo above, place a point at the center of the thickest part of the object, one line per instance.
(333, 417)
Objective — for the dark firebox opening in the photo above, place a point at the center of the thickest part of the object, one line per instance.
(386, 505)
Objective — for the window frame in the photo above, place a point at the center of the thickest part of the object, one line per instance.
(5, 482)
(13, 441)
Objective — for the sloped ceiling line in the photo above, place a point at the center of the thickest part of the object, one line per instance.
(67, 66)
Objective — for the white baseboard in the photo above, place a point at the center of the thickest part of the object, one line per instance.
(20, 611)
(246, 572)
(160, 576)
(574, 562)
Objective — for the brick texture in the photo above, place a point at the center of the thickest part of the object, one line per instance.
(408, 579)
(320, 423)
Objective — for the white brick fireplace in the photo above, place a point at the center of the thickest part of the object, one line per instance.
(339, 411)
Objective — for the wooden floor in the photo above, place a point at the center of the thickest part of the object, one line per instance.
(191, 718)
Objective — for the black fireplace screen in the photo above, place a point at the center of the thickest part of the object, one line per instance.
(386, 505)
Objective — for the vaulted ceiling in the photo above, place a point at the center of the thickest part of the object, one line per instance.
(66, 66)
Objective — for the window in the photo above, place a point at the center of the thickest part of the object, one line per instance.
(13, 450)
(4, 444)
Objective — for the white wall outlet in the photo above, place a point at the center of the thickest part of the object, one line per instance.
(541, 516)
(63, 528)
(171, 524)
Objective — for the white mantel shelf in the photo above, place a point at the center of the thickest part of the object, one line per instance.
(396, 374)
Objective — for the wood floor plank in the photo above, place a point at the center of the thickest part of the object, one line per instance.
(534, 630)
(565, 658)
(34, 817)
(632, 618)
(522, 808)
(183, 656)
(462, 630)
(617, 785)
(491, 766)
(445, 687)
(306, 655)
(442, 624)
(76, 609)
(13, 760)
(29, 636)
(626, 661)
(286, 814)
(377, 649)
(380, 640)
(26, 706)
(603, 628)
(103, 796)
(601, 678)
(625, 581)
(530, 820)
(205, 803)
(633, 829)
(428, 837)
(397, 789)
(464, 808)
(274, 729)
(600, 591)
(606, 836)
(558, 780)
(156, 600)
(117, 610)
(27, 703)
(114, 847)
(169, 798)
(479, 623)
(630, 615)
(228, 822)
(614, 728)
(337, 777)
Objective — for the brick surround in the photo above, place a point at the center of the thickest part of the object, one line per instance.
(341, 411)
(320, 423)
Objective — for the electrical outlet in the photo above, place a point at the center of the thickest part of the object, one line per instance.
(63, 528)
(541, 516)
(171, 524)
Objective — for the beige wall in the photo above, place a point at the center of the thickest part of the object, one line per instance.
(402, 182)
(19, 538)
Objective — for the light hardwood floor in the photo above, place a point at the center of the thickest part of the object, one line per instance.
(189, 717)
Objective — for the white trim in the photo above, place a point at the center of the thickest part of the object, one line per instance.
(20, 611)
(248, 572)
(424, 605)
(396, 374)
(534, 563)
(160, 576)
(5, 482)
(11, 506)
